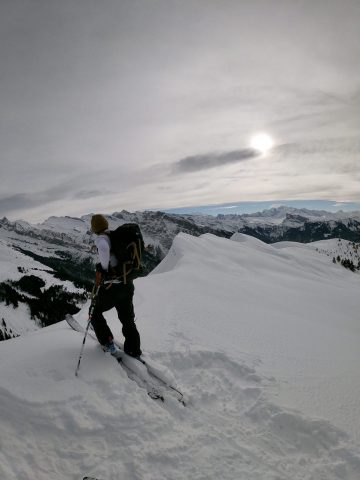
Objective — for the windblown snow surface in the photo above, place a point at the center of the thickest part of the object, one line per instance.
(264, 341)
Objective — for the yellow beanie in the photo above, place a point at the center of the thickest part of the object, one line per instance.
(98, 223)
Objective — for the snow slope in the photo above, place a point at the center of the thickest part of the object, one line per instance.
(13, 266)
(262, 338)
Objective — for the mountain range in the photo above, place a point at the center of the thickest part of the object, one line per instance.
(60, 235)
(55, 259)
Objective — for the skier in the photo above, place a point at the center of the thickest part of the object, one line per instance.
(113, 292)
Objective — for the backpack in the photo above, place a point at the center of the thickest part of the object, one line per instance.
(127, 244)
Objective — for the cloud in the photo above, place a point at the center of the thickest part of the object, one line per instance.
(110, 123)
(26, 201)
(86, 194)
(19, 201)
(205, 161)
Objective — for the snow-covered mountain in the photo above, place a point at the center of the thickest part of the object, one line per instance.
(71, 236)
(31, 294)
(62, 247)
(264, 341)
(304, 226)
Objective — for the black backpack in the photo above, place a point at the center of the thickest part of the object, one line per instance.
(127, 244)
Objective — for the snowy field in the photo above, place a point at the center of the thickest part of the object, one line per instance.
(13, 266)
(264, 341)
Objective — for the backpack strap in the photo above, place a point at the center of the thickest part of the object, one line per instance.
(135, 258)
(136, 252)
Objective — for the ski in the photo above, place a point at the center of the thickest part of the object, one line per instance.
(137, 375)
(154, 374)
(126, 362)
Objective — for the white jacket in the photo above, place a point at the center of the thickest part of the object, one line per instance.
(103, 246)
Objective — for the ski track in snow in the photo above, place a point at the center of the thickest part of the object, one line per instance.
(105, 425)
(102, 424)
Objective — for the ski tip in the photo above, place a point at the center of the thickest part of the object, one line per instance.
(156, 396)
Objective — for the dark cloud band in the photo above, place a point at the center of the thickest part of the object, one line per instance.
(195, 163)
(25, 201)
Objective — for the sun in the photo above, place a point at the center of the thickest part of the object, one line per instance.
(262, 142)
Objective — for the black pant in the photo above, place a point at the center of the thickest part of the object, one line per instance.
(119, 296)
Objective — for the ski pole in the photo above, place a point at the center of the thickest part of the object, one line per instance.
(91, 310)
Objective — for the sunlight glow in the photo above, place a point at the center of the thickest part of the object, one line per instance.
(262, 142)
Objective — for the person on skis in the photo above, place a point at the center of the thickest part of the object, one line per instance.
(113, 292)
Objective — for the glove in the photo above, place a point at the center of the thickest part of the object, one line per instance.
(99, 274)
(98, 277)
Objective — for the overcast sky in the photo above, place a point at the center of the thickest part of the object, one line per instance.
(140, 104)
